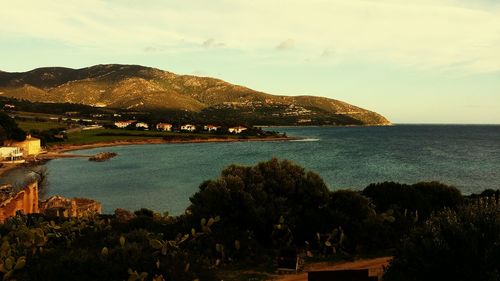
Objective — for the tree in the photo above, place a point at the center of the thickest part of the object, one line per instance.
(9, 129)
(255, 198)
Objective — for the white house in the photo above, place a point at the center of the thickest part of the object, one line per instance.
(92, 127)
(142, 125)
(123, 124)
(10, 153)
(210, 128)
(188, 127)
(237, 130)
(164, 127)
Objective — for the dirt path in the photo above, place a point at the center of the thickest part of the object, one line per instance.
(375, 267)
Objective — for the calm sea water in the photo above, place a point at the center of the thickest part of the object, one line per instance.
(163, 177)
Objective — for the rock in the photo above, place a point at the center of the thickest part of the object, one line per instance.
(103, 156)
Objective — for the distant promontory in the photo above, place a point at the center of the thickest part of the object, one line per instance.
(145, 89)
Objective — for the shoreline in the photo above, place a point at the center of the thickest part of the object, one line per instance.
(60, 149)
(6, 168)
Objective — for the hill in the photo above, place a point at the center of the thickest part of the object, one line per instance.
(140, 88)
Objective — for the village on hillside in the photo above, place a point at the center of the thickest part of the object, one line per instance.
(167, 127)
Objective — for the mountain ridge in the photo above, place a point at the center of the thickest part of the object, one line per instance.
(145, 88)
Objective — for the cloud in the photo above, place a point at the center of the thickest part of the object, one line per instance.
(438, 35)
(211, 42)
(286, 45)
(327, 52)
(150, 49)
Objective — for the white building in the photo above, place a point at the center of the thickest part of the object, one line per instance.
(210, 128)
(123, 124)
(92, 127)
(142, 125)
(164, 127)
(237, 130)
(188, 127)
(10, 153)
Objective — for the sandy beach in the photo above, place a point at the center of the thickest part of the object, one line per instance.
(72, 147)
(6, 167)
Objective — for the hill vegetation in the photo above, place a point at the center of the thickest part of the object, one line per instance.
(138, 88)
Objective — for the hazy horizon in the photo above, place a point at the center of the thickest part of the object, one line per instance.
(427, 62)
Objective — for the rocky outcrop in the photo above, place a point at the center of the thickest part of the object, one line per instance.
(103, 156)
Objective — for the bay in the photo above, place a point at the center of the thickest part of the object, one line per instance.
(162, 177)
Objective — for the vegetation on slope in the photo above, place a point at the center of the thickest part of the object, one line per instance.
(149, 89)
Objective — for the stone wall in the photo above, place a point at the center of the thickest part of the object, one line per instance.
(66, 207)
(25, 201)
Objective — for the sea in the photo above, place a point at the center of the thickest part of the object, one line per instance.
(162, 177)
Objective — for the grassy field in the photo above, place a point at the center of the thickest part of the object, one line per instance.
(28, 125)
(107, 135)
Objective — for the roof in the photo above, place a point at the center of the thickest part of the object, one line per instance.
(238, 127)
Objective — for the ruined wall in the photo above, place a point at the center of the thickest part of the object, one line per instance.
(69, 207)
(87, 207)
(25, 201)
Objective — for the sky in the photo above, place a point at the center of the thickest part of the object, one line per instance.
(420, 61)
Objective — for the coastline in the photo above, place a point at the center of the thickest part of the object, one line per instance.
(72, 147)
(60, 151)
(7, 167)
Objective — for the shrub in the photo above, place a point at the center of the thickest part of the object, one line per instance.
(452, 245)
(424, 197)
(252, 199)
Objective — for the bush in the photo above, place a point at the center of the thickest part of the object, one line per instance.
(423, 198)
(452, 245)
(252, 199)
(100, 248)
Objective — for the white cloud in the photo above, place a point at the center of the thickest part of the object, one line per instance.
(286, 45)
(211, 42)
(442, 35)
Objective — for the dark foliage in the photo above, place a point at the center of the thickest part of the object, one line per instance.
(254, 198)
(99, 248)
(50, 135)
(279, 203)
(423, 198)
(452, 245)
(9, 129)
